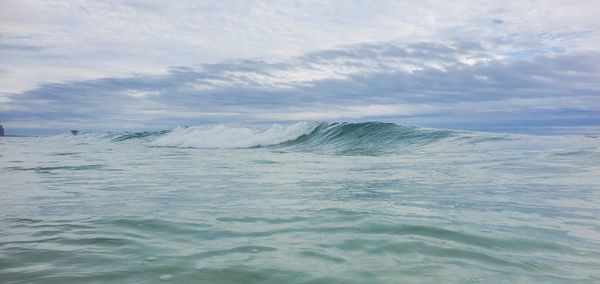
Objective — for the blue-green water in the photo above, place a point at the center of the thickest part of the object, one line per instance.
(306, 203)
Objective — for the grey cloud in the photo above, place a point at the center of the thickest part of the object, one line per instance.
(20, 47)
(239, 90)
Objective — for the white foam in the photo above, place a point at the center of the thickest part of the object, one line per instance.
(221, 136)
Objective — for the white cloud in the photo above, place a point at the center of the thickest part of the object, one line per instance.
(351, 112)
(94, 39)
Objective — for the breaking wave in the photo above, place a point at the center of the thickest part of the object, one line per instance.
(368, 138)
(339, 138)
(221, 136)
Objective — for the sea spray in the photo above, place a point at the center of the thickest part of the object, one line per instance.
(221, 136)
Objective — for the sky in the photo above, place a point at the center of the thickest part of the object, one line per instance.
(508, 66)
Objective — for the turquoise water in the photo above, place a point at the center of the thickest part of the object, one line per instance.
(305, 203)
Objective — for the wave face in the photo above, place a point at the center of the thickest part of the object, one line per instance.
(364, 138)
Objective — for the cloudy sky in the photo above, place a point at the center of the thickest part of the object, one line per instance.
(524, 66)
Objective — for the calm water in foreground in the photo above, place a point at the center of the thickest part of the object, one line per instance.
(306, 203)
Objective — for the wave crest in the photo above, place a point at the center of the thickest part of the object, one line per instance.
(138, 135)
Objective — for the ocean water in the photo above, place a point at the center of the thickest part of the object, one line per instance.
(302, 203)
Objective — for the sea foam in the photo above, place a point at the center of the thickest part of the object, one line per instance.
(221, 136)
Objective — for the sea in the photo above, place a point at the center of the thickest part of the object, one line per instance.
(310, 202)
